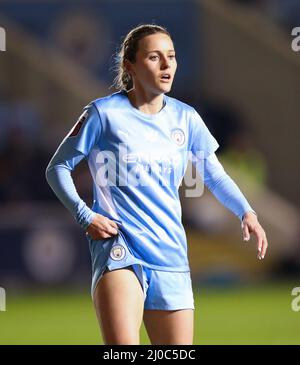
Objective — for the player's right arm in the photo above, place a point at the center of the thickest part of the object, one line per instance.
(221, 184)
(75, 147)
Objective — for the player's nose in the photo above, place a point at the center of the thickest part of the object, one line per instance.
(165, 63)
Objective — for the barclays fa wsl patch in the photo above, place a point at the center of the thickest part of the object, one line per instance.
(178, 136)
(117, 252)
(79, 124)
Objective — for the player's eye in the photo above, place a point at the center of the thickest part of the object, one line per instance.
(172, 56)
(153, 58)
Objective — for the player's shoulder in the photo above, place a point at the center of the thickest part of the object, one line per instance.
(179, 105)
(108, 101)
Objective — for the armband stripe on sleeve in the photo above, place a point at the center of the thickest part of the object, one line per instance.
(78, 124)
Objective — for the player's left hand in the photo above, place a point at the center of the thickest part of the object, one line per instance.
(250, 224)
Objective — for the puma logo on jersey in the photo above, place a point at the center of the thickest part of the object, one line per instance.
(151, 136)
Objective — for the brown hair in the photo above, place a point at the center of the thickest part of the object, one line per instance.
(128, 50)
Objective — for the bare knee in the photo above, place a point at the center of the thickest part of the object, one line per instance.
(119, 301)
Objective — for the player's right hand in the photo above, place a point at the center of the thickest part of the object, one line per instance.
(102, 227)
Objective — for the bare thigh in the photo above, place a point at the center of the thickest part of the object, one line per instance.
(119, 304)
(170, 327)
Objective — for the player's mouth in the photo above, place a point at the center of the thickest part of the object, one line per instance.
(166, 77)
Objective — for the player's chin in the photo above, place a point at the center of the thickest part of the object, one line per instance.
(165, 87)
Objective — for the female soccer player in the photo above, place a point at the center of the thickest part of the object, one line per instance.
(137, 142)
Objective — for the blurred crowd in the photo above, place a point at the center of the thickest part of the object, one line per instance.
(285, 12)
(22, 156)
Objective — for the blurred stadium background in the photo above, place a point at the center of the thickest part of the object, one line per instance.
(237, 68)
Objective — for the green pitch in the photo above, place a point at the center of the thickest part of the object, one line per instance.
(223, 316)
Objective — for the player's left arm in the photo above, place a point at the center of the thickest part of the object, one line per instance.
(229, 194)
(203, 147)
(250, 224)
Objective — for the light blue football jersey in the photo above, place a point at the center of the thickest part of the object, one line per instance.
(137, 162)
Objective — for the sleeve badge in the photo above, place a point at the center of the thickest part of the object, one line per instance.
(75, 130)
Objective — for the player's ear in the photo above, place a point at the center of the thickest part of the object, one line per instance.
(128, 67)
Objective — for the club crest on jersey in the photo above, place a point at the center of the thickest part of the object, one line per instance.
(117, 252)
(78, 124)
(178, 136)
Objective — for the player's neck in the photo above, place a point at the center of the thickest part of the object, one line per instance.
(148, 104)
